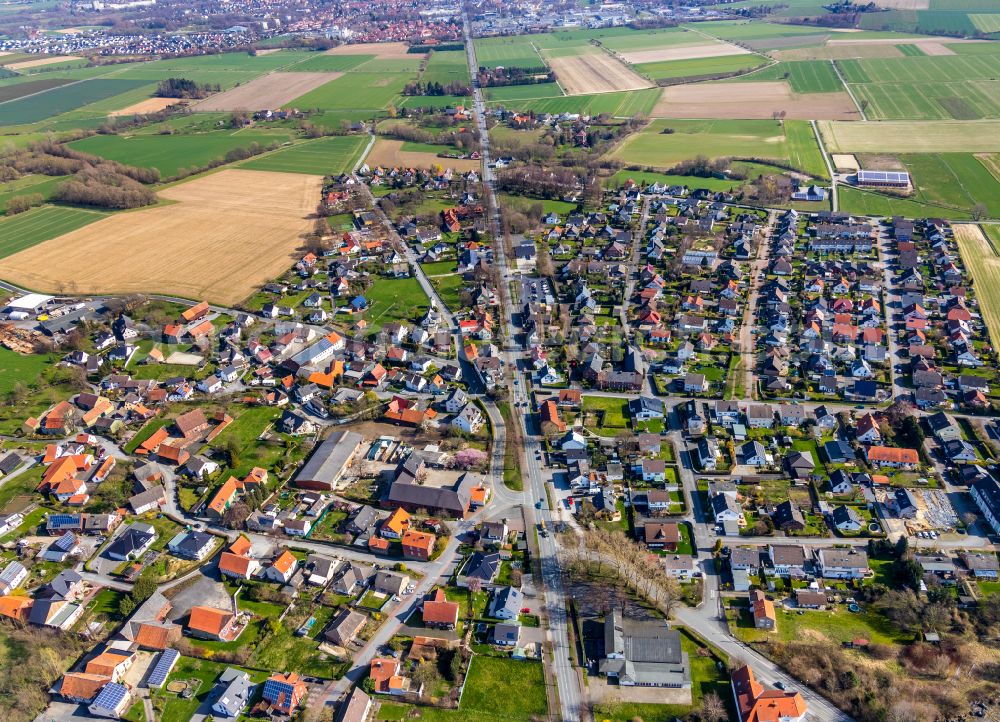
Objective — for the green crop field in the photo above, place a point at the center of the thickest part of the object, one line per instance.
(963, 87)
(699, 67)
(791, 142)
(523, 92)
(804, 76)
(29, 87)
(355, 90)
(513, 52)
(803, 148)
(911, 50)
(40, 224)
(62, 99)
(330, 63)
(170, 153)
(870, 203)
(622, 104)
(986, 22)
(650, 39)
(447, 66)
(955, 181)
(746, 31)
(324, 156)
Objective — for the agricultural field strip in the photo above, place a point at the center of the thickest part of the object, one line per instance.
(236, 240)
(980, 256)
(892, 136)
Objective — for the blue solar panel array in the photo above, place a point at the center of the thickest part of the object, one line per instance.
(162, 668)
(883, 176)
(111, 696)
(273, 689)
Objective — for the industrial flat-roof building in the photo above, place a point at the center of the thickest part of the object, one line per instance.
(883, 179)
(328, 462)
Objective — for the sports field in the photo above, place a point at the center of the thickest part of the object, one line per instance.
(523, 92)
(62, 99)
(323, 156)
(979, 252)
(226, 234)
(911, 136)
(510, 52)
(790, 142)
(448, 66)
(40, 224)
(170, 153)
(959, 87)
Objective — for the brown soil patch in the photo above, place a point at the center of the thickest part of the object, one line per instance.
(595, 73)
(268, 51)
(225, 235)
(150, 105)
(683, 52)
(390, 153)
(41, 61)
(815, 634)
(751, 100)
(267, 92)
(936, 49)
(379, 50)
(880, 161)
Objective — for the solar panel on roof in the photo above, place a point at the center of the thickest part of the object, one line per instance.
(274, 689)
(111, 696)
(162, 667)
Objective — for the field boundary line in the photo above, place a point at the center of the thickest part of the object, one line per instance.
(57, 87)
(848, 89)
(538, 52)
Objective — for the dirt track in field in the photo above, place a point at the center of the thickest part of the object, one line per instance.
(226, 234)
(150, 105)
(268, 92)
(751, 100)
(683, 52)
(379, 50)
(390, 154)
(595, 72)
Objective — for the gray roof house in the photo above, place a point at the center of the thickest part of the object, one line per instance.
(644, 653)
(506, 603)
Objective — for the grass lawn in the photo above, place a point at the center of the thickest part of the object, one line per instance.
(835, 626)
(202, 673)
(394, 299)
(449, 287)
(503, 689)
(284, 650)
(612, 410)
(15, 369)
(245, 431)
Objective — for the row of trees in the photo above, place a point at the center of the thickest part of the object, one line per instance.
(104, 187)
(610, 554)
(434, 88)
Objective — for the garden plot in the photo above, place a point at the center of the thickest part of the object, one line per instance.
(752, 100)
